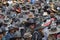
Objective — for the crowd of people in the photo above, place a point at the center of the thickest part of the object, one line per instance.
(29, 20)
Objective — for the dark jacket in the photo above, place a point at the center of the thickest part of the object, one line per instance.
(37, 36)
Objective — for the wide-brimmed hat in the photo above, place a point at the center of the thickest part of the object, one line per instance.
(13, 4)
(31, 15)
(54, 32)
(30, 20)
(11, 27)
(39, 27)
(5, 2)
(27, 35)
(52, 8)
(2, 16)
(16, 27)
(7, 21)
(17, 34)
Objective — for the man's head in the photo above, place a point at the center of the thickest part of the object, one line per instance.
(51, 14)
(11, 29)
(32, 26)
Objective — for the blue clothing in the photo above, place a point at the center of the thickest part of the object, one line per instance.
(32, 1)
(8, 36)
(4, 38)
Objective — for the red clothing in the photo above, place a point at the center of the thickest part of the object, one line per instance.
(47, 23)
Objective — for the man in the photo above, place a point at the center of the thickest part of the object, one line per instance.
(31, 25)
(4, 34)
(49, 24)
(1, 34)
(29, 29)
(38, 34)
(10, 33)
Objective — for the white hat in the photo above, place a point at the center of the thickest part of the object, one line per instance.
(27, 35)
(45, 14)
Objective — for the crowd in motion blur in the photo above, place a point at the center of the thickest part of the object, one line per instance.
(35, 20)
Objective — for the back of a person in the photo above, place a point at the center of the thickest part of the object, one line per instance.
(36, 36)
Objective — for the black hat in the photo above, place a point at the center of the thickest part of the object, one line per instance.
(30, 20)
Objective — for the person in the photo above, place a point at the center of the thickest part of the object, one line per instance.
(4, 34)
(0, 9)
(38, 34)
(31, 25)
(53, 21)
(5, 6)
(29, 30)
(49, 24)
(17, 34)
(1, 34)
(46, 33)
(10, 33)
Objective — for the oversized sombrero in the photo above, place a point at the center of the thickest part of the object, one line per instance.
(55, 32)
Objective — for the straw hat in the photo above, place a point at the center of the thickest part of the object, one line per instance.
(27, 35)
(31, 15)
(4, 2)
(52, 7)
